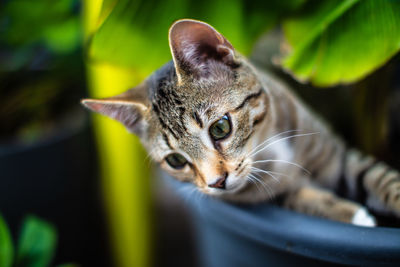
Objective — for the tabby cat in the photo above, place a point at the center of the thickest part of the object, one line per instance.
(211, 118)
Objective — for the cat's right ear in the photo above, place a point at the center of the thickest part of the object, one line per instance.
(129, 108)
(195, 45)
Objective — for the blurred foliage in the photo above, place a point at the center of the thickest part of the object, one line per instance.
(35, 248)
(25, 25)
(6, 246)
(125, 177)
(41, 66)
(134, 34)
(37, 243)
(33, 101)
(334, 42)
(329, 42)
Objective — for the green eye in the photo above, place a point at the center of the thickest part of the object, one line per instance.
(176, 161)
(221, 128)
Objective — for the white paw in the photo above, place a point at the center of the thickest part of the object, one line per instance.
(363, 218)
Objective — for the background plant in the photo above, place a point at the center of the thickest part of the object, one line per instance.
(41, 66)
(36, 244)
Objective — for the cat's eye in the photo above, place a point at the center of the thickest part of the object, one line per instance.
(176, 161)
(220, 129)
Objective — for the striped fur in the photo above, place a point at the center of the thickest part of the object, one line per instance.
(276, 147)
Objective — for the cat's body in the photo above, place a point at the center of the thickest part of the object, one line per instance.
(211, 118)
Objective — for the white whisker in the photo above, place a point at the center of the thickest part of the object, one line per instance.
(251, 179)
(283, 161)
(279, 140)
(266, 172)
(268, 139)
(256, 175)
(264, 185)
(277, 173)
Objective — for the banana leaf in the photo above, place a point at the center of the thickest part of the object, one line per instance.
(339, 42)
(134, 34)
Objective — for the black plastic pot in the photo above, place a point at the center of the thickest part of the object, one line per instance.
(266, 235)
(56, 180)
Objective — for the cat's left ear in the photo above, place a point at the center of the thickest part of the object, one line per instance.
(129, 108)
(195, 44)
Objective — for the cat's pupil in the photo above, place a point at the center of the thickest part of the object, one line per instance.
(220, 129)
(176, 161)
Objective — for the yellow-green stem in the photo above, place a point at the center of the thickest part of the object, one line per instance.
(125, 179)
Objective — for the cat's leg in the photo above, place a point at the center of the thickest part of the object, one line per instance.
(315, 201)
(356, 176)
(372, 182)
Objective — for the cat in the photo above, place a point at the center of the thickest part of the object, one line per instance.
(211, 118)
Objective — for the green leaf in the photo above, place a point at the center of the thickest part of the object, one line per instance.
(129, 38)
(134, 34)
(6, 246)
(333, 42)
(63, 37)
(36, 244)
(54, 23)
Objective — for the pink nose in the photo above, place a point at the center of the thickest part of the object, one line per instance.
(220, 183)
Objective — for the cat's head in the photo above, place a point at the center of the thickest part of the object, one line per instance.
(199, 114)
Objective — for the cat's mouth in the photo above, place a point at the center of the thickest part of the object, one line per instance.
(229, 190)
(234, 184)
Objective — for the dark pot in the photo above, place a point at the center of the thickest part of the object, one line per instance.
(55, 179)
(266, 235)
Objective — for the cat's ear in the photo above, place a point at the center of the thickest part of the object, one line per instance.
(129, 108)
(194, 44)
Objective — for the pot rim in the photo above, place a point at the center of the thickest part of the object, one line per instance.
(298, 233)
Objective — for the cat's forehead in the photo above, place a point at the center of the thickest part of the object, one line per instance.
(165, 80)
(167, 96)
